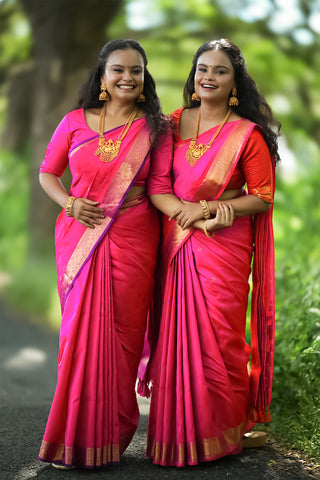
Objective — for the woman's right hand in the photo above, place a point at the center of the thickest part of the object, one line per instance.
(187, 213)
(87, 213)
(224, 218)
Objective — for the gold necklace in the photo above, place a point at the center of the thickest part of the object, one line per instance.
(195, 151)
(109, 150)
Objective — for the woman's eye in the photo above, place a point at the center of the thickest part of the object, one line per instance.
(117, 70)
(202, 69)
(136, 72)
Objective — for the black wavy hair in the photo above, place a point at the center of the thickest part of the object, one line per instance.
(252, 104)
(90, 90)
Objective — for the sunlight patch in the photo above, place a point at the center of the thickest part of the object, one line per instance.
(26, 358)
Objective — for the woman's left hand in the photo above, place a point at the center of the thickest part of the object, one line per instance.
(224, 218)
(187, 214)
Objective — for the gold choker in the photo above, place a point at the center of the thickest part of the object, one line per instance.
(109, 150)
(195, 151)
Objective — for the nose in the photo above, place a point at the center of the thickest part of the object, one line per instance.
(127, 75)
(209, 74)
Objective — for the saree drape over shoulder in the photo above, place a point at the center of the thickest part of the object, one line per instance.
(105, 284)
(209, 385)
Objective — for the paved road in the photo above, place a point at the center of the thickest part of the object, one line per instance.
(28, 356)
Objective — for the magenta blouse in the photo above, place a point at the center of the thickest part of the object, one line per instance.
(88, 174)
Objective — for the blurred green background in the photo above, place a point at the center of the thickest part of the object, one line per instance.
(47, 48)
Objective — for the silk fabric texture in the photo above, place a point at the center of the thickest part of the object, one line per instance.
(205, 394)
(105, 284)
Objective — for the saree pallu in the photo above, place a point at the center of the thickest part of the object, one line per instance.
(105, 283)
(203, 391)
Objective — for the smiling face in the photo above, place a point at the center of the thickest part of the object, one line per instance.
(124, 75)
(214, 77)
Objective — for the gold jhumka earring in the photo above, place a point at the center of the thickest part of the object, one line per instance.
(195, 97)
(233, 101)
(141, 98)
(104, 96)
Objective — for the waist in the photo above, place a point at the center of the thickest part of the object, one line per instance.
(234, 193)
(135, 196)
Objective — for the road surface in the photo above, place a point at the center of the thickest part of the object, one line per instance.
(28, 365)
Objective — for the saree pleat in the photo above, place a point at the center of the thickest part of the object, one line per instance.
(94, 413)
(200, 366)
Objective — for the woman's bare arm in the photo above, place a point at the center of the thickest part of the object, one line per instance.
(84, 210)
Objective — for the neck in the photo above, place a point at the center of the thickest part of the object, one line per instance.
(119, 110)
(213, 112)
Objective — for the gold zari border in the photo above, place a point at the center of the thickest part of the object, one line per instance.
(191, 453)
(107, 454)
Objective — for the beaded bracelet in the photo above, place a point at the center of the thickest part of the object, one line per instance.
(205, 231)
(205, 208)
(68, 206)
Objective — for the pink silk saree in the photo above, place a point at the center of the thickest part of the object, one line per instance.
(205, 393)
(105, 283)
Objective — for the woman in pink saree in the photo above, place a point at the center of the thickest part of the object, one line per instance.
(106, 244)
(209, 386)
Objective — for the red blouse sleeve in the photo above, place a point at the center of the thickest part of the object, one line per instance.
(56, 157)
(176, 117)
(159, 179)
(257, 167)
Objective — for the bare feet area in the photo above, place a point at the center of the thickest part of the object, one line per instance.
(28, 366)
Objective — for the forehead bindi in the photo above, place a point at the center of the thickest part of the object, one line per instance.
(125, 58)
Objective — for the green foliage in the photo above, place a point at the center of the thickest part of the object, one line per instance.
(33, 289)
(15, 39)
(296, 393)
(30, 283)
(14, 201)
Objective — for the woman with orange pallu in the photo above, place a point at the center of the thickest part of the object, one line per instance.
(106, 245)
(204, 397)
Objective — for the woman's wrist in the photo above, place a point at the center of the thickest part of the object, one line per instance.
(68, 206)
(205, 209)
(212, 204)
(205, 230)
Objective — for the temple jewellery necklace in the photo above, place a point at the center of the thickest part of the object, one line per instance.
(109, 150)
(195, 151)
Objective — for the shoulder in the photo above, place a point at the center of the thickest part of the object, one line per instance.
(253, 133)
(74, 118)
(257, 134)
(183, 114)
(176, 115)
(256, 144)
(76, 114)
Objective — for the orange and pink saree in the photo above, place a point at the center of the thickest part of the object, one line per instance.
(205, 393)
(105, 284)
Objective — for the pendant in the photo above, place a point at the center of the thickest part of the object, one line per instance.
(195, 152)
(109, 150)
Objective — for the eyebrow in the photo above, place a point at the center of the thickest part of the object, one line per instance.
(215, 66)
(122, 66)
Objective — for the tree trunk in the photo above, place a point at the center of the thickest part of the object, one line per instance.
(68, 35)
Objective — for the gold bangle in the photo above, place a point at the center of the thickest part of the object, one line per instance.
(68, 206)
(205, 231)
(205, 208)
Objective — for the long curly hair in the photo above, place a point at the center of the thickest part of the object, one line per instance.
(252, 104)
(90, 90)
